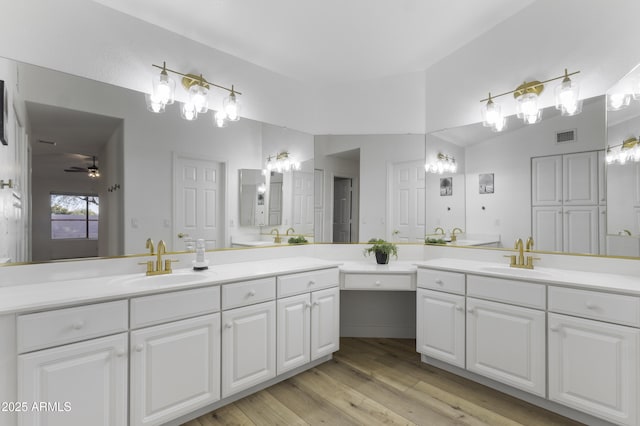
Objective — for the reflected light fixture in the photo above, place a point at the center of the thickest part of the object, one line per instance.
(444, 163)
(627, 151)
(197, 87)
(93, 170)
(282, 162)
(567, 97)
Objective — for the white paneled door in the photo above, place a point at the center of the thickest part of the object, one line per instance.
(198, 202)
(408, 200)
(302, 198)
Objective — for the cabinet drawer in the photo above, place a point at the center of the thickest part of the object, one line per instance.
(452, 282)
(53, 328)
(378, 282)
(174, 306)
(289, 285)
(510, 291)
(616, 308)
(248, 292)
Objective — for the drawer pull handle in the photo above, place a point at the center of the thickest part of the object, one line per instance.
(252, 293)
(120, 353)
(459, 308)
(228, 325)
(378, 283)
(311, 282)
(78, 325)
(439, 282)
(139, 348)
(554, 328)
(590, 305)
(471, 310)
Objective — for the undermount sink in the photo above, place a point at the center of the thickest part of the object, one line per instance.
(177, 277)
(520, 272)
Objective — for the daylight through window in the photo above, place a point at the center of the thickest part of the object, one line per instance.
(74, 216)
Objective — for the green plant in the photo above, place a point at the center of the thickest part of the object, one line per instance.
(381, 246)
(434, 241)
(297, 240)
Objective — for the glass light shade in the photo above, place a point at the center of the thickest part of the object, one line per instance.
(153, 104)
(220, 119)
(188, 111)
(164, 88)
(527, 108)
(198, 97)
(609, 157)
(568, 98)
(231, 107)
(491, 114)
(616, 101)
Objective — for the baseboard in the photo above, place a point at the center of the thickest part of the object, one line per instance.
(378, 331)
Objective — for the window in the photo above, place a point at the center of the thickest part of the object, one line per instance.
(74, 216)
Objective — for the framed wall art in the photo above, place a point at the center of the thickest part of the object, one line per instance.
(446, 186)
(485, 183)
(4, 113)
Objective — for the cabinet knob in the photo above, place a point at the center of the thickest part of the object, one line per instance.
(554, 328)
(471, 310)
(315, 304)
(120, 353)
(439, 282)
(252, 293)
(139, 347)
(78, 325)
(378, 283)
(307, 305)
(228, 325)
(459, 308)
(312, 282)
(590, 305)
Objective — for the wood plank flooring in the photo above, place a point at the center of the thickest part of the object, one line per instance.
(379, 381)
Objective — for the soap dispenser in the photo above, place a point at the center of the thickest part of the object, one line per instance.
(200, 264)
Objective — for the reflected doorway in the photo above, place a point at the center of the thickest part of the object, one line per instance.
(342, 209)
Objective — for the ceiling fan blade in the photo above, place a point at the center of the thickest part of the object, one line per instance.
(76, 169)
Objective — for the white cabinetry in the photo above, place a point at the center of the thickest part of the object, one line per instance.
(80, 383)
(175, 369)
(309, 323)
(440, 328)
(565, 193)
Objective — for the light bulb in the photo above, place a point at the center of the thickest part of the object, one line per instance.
(154, 104)
(232, 107)
(198, 97)
(220, 119)
(163, 88)
(188, 112)
(618, 100)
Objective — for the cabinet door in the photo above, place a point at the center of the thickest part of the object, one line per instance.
(175, 368)
(593, 367)
(580, 229)
(325, 322)
(507, 343)
(86, 382)
(248, 346)
(547, 228)
(602, 178)
(440, 326)
(580, 177)
(546, 181)
(294, 332)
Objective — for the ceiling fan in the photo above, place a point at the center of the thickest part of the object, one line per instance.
(91, 170)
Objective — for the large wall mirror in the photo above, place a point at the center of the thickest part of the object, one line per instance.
(161, 177)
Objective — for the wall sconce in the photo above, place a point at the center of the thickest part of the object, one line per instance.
(282, 162)
(444, 163)
(527, 108)
(629, 150)
(197, 87)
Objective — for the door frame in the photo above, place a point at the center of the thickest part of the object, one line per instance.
(224, 186)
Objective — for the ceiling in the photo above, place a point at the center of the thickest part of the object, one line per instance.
(328, 40)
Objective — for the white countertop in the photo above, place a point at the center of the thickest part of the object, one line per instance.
(49, 295)
(587, 280)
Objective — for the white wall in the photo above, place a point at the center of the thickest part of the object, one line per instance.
(507, 211)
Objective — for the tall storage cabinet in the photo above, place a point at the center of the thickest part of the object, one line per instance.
(566, 191)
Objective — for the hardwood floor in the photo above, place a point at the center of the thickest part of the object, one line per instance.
(378, 381)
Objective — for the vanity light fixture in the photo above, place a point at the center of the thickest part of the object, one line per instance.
(282, 162)
(629, 150)
(527, 95)
(444, 163)
(197, 87)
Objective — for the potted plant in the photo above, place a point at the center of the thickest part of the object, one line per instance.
(383, 249)
(297, 240)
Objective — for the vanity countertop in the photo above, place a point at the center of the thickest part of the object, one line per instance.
(618, 283)
(47, 295)
(364, 267)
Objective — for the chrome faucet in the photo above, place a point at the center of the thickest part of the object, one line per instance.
(453, 234)
(277, 238)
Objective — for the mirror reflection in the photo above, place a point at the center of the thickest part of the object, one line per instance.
(161, 177)
(544, 180)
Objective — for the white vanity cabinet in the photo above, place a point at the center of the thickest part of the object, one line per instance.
(593, 358)
(175, 365)
(440, 315)
(248, 334)
(308, 323)
(75, 377)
